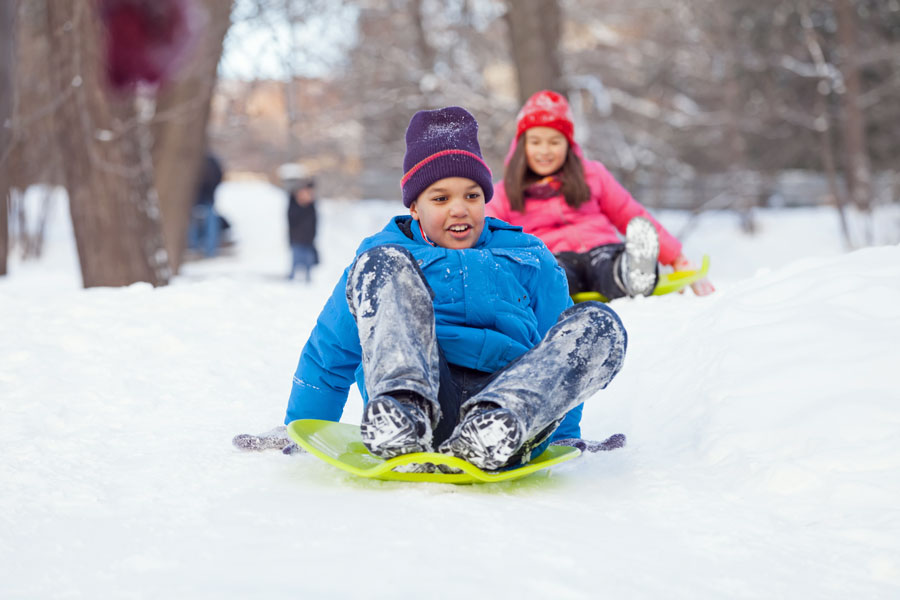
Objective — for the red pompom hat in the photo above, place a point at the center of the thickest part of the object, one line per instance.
(546, 109)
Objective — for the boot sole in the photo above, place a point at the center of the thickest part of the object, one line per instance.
(641, 256)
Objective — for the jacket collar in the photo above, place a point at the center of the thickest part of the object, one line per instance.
(405, 223)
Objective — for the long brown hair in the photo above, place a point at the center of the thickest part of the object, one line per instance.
(518, 176)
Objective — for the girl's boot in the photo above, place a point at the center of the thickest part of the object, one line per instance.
(638, 265)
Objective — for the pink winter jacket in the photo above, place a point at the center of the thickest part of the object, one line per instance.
(594, 223)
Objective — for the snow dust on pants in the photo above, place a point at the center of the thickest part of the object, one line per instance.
(392, 304)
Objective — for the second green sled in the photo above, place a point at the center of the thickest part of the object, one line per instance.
(668, 283)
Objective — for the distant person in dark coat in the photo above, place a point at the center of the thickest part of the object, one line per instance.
(302, 226)
(205, 226)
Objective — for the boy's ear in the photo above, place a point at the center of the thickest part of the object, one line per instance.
(414, 211)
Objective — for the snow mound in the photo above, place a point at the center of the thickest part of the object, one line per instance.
(762, 458)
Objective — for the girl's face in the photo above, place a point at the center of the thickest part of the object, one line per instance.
(545, 150)
(451, 212)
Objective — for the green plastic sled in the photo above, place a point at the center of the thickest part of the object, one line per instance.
(340, 444)
(668, 283)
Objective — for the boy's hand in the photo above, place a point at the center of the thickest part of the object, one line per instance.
(703, 287)
(274, 439)
(614, 441)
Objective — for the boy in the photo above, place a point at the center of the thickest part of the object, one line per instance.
(457, 328)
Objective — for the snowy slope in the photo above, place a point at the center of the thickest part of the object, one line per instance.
(763, 426)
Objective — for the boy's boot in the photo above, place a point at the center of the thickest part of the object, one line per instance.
(488, 437)
(395, 424)
(637, 272)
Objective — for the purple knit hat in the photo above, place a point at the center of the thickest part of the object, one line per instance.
(442, 143)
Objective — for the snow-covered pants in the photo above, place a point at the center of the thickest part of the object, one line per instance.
(392, 304)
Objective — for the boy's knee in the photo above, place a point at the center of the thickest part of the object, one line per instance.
(376, 266)
(385, 257)
(389, 252)
(600, 316)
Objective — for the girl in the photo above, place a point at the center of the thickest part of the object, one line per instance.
(576, 207)
(458, 329)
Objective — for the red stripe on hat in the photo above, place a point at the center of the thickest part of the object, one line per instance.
(428, 159)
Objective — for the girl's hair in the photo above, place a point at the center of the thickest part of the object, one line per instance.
(518, 176)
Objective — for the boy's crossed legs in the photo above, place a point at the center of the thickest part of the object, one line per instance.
(414, 394)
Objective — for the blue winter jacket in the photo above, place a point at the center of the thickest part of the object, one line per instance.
(492, 303)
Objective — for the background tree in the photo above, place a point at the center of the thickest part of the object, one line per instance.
(692, 104)
(534, 37)
(7, 91)
(114, 100)
(725, 98)
(858, 171)
(412, 55)
(108, 169)
(179, 127)
(32, 157)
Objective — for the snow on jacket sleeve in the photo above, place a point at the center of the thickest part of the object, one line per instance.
(620, 208)
(328, 362)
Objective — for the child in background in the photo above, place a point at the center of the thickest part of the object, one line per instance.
(205, 226)
(302, 221)
(578, 209)
(458, 329)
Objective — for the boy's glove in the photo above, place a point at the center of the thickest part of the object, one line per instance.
(292, 448)
(702, 287)
(274, 439)
(614, 441)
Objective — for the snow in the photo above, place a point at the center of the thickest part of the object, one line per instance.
(763, 429)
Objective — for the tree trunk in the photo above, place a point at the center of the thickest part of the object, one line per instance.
(857, 153)
(290, 88)
(534, 32)
(107, 169)
(830, 167)
(180, 141)
(7, 79)
(738, 168)
(425, 51)
(824, 126)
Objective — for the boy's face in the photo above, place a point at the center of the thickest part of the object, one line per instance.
(545, 150)
(451, 212)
